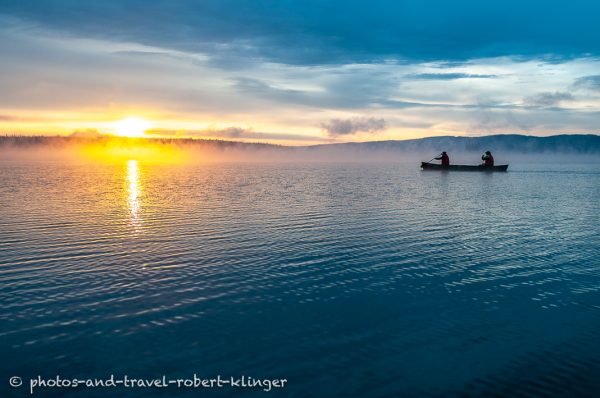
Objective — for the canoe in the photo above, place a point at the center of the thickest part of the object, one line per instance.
(461, 167)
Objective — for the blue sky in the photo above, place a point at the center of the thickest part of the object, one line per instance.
(302, 71)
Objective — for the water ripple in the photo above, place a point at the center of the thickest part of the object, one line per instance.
(395, 281)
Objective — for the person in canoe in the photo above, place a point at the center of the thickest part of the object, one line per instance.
(444, 158)
(488, 159)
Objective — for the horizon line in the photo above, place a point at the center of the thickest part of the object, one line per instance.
(101, 136)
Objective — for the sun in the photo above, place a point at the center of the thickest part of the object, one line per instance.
(132, 127)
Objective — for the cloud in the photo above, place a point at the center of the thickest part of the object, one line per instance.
(66, 80)
(588, 82)
(340, 127)
(22, 118)
(489, 121)
(258, 87)
(449, 76)
(338, 89)
(313, 32)
(548, 98)
(228, 132)
(233, 133)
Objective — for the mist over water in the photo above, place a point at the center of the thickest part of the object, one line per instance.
(346, 278)
(507, 149)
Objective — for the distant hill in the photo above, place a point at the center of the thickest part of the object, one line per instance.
(513, 143)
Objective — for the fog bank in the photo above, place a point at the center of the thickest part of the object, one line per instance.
(462, 150)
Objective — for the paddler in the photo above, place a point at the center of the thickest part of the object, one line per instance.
(488, 159)
(444, 158)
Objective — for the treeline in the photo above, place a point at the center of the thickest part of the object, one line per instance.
(588, 144)
(20, 141)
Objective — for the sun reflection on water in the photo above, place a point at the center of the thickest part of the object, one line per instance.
(134, 192)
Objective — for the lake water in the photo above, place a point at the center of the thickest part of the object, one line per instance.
(348, 280)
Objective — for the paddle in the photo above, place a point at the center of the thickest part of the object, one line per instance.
(433, 158)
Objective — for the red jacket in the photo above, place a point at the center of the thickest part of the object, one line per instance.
(488, 159)
(445, 159)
